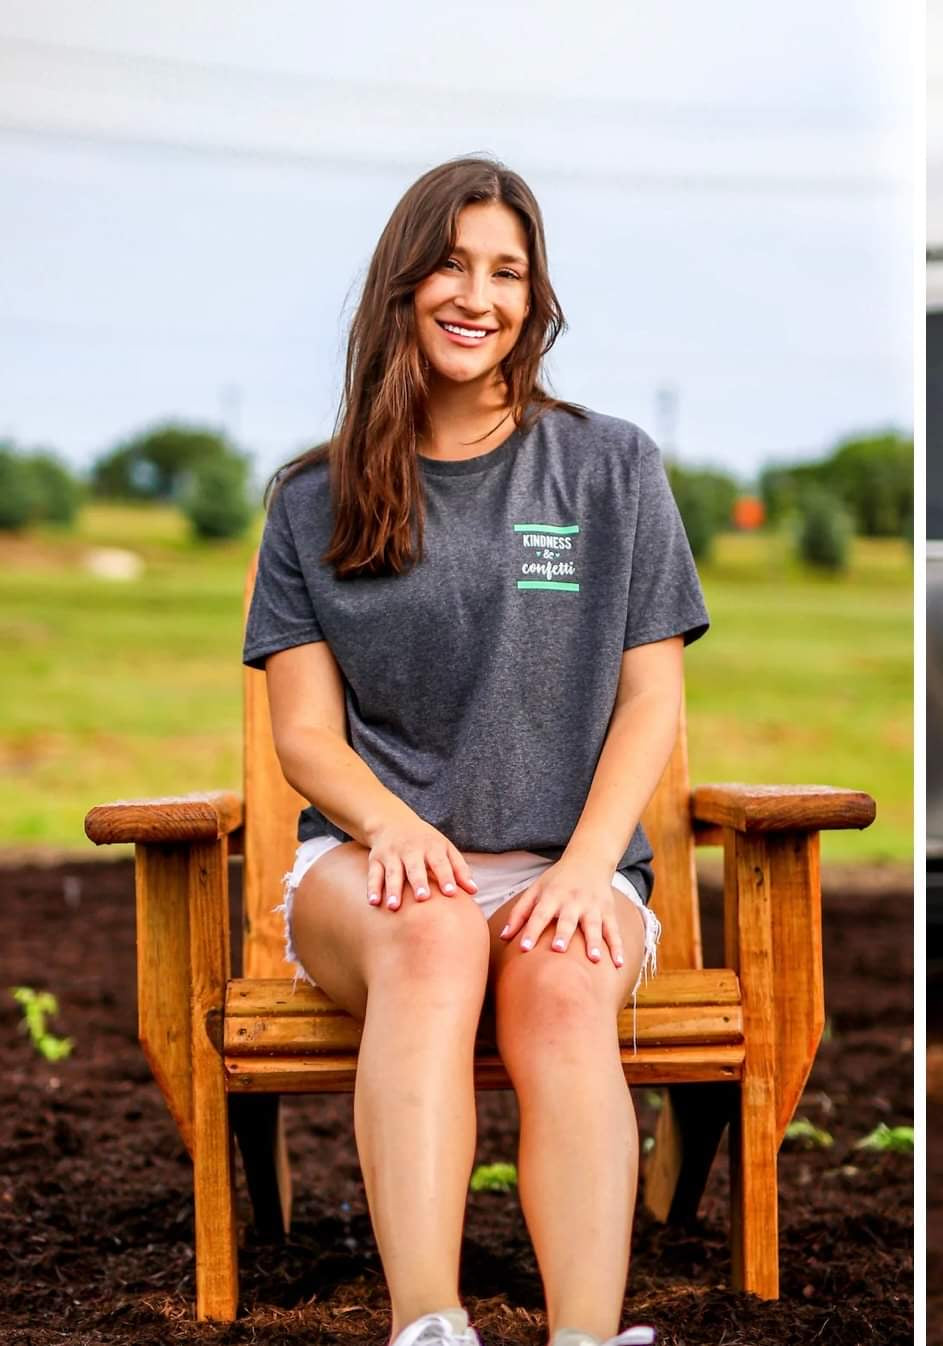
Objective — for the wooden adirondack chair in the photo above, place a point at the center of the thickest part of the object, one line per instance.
(732, 1045)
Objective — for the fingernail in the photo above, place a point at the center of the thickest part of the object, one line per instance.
(558, 943)
(527, 943)
(449, 888)
(473, 883)
(594, 953)
(422, 892)
(374, 898)
(505, 930)
(618, 960)
(391, 900)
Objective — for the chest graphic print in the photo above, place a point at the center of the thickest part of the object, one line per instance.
(548, 556)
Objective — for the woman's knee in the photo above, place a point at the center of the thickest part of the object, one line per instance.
(440, 941)
(550, 996)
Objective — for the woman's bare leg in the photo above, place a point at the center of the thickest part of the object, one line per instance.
(416, 978)
(556, 1019)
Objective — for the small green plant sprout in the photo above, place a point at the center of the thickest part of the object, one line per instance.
(494, 1178)
(36, 1005)
(898, 1139)
(808, 1135)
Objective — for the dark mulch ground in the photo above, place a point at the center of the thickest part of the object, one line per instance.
(96, 1221)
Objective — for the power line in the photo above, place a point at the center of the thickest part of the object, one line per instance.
(744, 119)
(352, 161)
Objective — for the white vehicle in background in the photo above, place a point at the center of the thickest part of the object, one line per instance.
(934, 837)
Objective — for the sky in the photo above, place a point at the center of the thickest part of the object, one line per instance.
(192, 192)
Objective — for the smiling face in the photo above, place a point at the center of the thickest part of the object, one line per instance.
(482, 287)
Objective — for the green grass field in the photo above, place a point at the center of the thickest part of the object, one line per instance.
(116, 690)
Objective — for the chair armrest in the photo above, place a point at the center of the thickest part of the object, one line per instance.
(202, 816)
(781, 808)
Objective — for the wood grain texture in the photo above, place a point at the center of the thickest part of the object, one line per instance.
(667, 824)
(748, 946)
(781, 808)
(161, 876)
(796, 917)
(213, 1187)
(700, 986)
(204, 815)
(333, 1033)
(335, 1074)
(270, 833)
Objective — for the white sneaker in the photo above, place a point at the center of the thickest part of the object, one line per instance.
(632, 1336)
(449, 1328)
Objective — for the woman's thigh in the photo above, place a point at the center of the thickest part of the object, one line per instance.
(344, 944)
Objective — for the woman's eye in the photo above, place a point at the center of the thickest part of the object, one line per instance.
(505, 271)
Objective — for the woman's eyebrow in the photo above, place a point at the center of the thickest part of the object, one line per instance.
(501, 257)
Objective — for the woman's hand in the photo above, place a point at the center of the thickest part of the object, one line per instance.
(575, 894)
(407, 847)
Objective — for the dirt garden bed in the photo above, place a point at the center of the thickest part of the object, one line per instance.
(96, 1217)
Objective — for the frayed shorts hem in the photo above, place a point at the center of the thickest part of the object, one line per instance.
(498, 882)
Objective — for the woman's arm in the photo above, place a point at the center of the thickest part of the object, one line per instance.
(638, 744)
(309, 729)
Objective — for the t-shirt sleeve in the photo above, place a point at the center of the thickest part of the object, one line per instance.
(665, 597)
(281, 613)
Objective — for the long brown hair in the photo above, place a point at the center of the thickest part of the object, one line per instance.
(376, 485)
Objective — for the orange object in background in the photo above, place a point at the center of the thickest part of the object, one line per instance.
(748, 512)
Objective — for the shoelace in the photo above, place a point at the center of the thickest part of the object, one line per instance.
(433, 1328)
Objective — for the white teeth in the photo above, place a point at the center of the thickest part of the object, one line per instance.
(464, 331)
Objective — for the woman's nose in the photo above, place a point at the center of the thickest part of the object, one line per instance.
(474, 292)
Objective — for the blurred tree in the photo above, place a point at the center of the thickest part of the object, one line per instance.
(56, 491)
(705, 500)
(872, 475)
(154, 465)
(18, 500)
(824, 531)
(215, 499)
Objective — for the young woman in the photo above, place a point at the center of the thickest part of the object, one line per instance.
(470, 607)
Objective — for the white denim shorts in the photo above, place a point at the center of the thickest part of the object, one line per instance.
(498, 876)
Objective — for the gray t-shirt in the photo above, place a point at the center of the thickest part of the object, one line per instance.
(479, 686)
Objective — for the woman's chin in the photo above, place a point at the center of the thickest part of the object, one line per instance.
(460, 371)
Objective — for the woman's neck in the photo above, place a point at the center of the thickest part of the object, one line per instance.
(464, 423)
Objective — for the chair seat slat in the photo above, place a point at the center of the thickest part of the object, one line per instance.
(249, 997)
(336, 1073)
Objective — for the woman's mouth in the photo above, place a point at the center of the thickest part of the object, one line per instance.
(464, 336)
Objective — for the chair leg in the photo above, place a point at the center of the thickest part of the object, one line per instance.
(687, 1134)
(215, 1244)
(259, 1124)
(754, 1138)
(217, 1275)
(754, 1195)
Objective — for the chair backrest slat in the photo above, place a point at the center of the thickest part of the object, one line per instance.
(667, 823)
(271, 824)
(271, 819)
